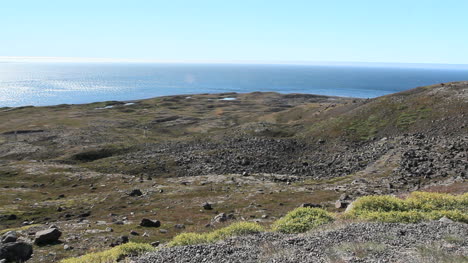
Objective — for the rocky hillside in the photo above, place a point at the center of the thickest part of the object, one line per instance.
(95, 171)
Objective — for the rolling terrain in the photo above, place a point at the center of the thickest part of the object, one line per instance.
(252, 156)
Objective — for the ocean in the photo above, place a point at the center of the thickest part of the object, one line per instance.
(41, 84)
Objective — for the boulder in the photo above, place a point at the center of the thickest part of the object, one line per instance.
(9, 237)
(341, 204)
(345, 196)
(155, 243)
(15, 252)
(349, 207)
(135, 192)
(445, 220)
(145, 222)
(47, 236)
(67, 247)
(222, 217)
(119, 241)
(179, 226)
(207, 206)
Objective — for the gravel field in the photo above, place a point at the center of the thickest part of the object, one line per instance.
(356, 242)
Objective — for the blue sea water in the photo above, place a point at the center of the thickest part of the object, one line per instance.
(42, 84)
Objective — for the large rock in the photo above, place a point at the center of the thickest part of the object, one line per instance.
(135, 192)
(445, 220)
(47, 236)
(119, 241)
(15, 252)
(207, 206)
(9, 237)
(341, 204)
(220, 218)
(145, 222)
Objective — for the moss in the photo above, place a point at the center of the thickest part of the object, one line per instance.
(408, 118)
(301, 220)
(236, 229)
(366, 128)
(112, 255)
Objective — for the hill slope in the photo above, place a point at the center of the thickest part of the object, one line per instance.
(253, 156)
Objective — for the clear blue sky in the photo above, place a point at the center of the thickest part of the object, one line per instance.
(420, 31)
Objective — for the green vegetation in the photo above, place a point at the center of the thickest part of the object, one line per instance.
(112, 255)
(236, 229)
(366, 128)
(301, 220)
(419, 206)
(406, 119)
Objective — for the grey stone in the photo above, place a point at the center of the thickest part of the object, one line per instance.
(179, 226)
(9, 237)
(135, 192)
(207, 206)
(16, 251)
(47, 236)
(445, 220)
(145, 222)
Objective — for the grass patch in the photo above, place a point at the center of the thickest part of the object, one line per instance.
(366, 129)
(112, 255)
(419, 206)
(406, 119)
(235, 229)
(302, 219)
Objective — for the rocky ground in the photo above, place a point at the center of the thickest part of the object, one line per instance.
(355, 242)
(78, 167)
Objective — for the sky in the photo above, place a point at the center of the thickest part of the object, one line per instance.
(400, 31)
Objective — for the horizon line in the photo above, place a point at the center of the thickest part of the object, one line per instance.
(40, 59)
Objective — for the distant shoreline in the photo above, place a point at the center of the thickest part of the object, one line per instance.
(233, 62)
(45, 84)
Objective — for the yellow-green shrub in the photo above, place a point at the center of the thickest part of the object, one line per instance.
(393, 216)
(235, 229)
(454, 215)
(426, 201)
(112, 255)
(301, 220)
(186, 239)
(417, 207)
(378, 203)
